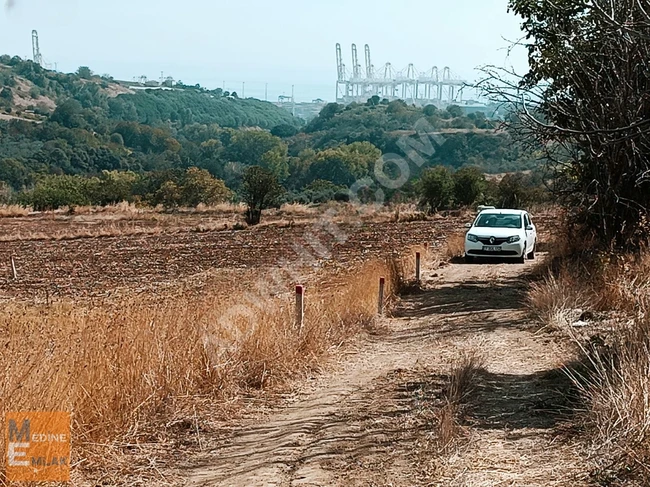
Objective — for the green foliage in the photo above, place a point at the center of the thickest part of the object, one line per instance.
(14, 173)
(519, 190)
(436, 188)
(284, 130)
(112, 187)
(53, 192)
(196, 106)
(469, 186)
(345, 164)
(261, 190)
(198, 186)
(84, 72)
(140, 146)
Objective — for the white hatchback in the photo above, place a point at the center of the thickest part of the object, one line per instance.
(501, 234)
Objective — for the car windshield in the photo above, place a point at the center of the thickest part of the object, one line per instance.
(498, 221)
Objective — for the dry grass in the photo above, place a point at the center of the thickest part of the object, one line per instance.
(455, 246)
(615, 381)
(462, 381)
(125, 369)
(8, 211)
(131, 219)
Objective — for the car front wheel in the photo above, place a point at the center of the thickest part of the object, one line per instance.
(531, 255)
(469, 259)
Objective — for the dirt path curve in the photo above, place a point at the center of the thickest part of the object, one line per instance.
(369, 423)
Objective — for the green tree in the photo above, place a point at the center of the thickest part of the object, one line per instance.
(261, 190)
(284, 130)
(455, 111)
(84, 72)
(168, 195)
(113, 187)
(588, 70)
(436, 188)
(469, 186)
(14, 173)
(344, 164)
(53, 192)
(68, 114)
(199, 186)
(249, 146)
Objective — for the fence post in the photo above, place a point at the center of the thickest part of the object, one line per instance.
(300, 307)
(418, 261)
(382, 285)
(13, 268)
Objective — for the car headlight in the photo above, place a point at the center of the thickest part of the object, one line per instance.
(514, 239)
(472, 238)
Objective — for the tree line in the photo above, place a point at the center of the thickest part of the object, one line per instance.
(151, 146)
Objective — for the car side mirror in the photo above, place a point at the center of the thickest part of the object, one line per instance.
(468, 225)
(530, 228)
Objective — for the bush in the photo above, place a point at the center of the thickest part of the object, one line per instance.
(436, 188)
(199, 186)
(261, 190)
(53, 192)
(469, 186)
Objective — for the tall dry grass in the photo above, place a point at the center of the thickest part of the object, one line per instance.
(125, 368)
(8, 211)
(455, 246)
(614, 380)
(462, 382)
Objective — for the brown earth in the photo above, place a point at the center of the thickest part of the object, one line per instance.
(99, 266)
(369, 423)
(100, 255)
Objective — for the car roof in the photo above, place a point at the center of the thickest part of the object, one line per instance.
(503, 212)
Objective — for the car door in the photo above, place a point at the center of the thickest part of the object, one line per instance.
(531, 233)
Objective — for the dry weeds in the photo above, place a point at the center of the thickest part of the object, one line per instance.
(127, 368)
(455, 247)
(7, 211)
(602, 302)
(462, 381)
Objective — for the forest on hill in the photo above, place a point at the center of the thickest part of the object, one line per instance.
(84, 132)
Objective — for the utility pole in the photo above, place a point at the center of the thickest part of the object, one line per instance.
(266, 92)
(243, 89)
(293, 100)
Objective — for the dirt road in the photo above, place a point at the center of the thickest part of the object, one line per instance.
(369, 422)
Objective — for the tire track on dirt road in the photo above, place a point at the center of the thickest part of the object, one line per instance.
(362, 424)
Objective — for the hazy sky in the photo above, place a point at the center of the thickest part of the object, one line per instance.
(280, 42)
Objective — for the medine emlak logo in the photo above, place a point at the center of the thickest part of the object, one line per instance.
(38, 446)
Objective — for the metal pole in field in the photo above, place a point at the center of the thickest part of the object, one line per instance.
(300, 307)
(418, 260)
(382, 285)
(13, 267)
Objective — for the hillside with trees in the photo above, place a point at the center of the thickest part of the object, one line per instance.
(99, 141)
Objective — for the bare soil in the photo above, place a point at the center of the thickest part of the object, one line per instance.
(99, 266)
(370, 421)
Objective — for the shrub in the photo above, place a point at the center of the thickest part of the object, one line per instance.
(261, 190)
(53, 192)
(436, 188)
(469, 185)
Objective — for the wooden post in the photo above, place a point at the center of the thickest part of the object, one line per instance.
(418, 261)
(300, 307)
(382, 285)
(13, 267)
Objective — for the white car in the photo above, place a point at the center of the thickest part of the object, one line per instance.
(501, 234)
